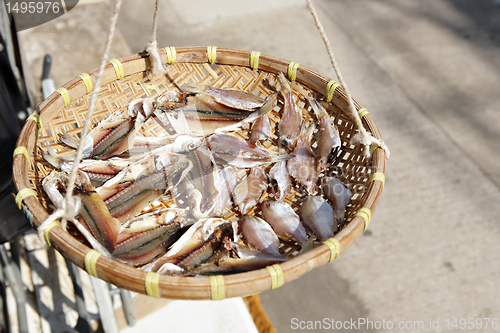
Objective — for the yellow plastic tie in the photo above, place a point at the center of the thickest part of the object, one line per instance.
(87, 80)
(171, 54)
(292, 70)
(24, 151)
(65, 95)
(378, 176)
(152, 284)
(254, 60)
(373, 147)
(119, 71)
(334, 247)
(363, 112)
(91, 262)
(277, 277)
(217, 287)
(366, 214)
(47, 230)
(212, 54)
(36, 118)
(23, 194)
(330, 89)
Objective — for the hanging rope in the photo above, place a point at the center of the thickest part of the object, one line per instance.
(363, 136)
(152, 47)
(70, 205)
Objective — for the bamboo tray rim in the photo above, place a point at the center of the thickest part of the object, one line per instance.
(200, 287)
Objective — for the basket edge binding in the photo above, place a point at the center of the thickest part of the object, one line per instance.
(232, 285)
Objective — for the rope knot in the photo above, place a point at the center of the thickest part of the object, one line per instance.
(71, 207)
(367, 139)
(68, 211)
(154, 56)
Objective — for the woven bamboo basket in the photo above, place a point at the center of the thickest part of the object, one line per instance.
(129, 78)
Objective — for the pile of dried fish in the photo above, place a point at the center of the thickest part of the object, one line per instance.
(221, 181)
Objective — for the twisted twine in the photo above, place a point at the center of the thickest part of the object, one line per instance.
(363, 136)
(152, 46)
(70, 205)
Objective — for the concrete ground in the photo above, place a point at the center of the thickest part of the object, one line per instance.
(428, 71)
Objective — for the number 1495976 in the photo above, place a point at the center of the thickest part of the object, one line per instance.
(472, 323)
(32, 7)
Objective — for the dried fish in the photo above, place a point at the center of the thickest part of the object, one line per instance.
(328, 137)
(211, 110)
(250, 189)
(115, 134)
(99, 171)
(302, 167)
(142, 182)
(230, 97)
(194, 173)
(180, 144)
(291, 118)
(268, 106)
(281, 181)
(233, 258)
(93, 212)
(148, 236)
(284, 221)
(259, 234)
(338, 194)
(226, 180)
(261, 130)
(237, 152)
(196, 245)
(317, 216)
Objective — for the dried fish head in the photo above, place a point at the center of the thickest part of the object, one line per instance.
(170, 99)
(186, 143)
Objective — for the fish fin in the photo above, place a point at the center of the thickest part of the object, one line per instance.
(316, 106)
(306, 130)
(280, 158)
(69, 140)
(73, 142)
(69, 157)
(179, 123)
(284, 82)
(193, 88)
(307, 246)
(50, 155)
